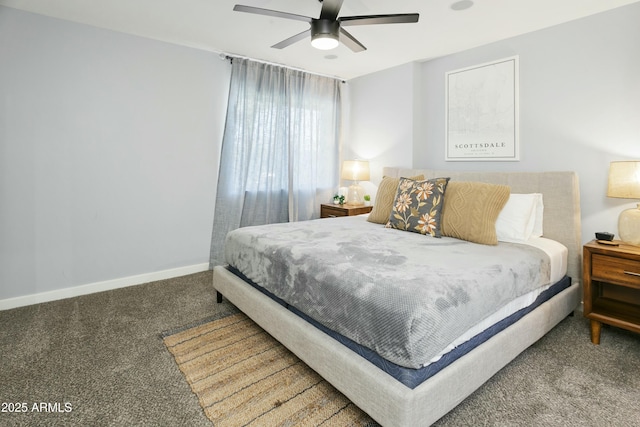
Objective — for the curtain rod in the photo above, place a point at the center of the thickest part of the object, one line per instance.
(229, 57)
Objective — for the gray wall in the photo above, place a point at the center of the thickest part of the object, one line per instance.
(109, 150)
(381, 125)
(579, 106)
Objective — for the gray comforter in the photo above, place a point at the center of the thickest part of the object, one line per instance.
(404, 295)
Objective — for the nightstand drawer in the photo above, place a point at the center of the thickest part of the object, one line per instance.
(615, 270)
(331, 212)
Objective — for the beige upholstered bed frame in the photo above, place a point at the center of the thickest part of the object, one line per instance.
(384, 398)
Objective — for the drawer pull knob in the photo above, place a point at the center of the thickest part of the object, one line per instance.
(631, 273)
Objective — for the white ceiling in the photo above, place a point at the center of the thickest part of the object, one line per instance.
(213, 25)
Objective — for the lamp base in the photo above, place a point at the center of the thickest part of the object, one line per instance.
(355, 196)
(629, 226)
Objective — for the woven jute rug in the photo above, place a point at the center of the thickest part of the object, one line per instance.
(244, 377)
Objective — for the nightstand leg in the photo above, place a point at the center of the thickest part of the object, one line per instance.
(595, 331)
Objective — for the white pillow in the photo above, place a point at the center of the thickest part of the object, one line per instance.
(521, 218)
(539, 213)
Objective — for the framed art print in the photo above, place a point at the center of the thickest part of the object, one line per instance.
(482, 112)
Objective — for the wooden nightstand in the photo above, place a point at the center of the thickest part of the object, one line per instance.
(332, 211)
(611, 285)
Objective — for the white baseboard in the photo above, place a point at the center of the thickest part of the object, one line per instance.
(107, 285)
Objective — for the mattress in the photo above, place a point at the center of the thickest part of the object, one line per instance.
(557, 254)
(295, 262)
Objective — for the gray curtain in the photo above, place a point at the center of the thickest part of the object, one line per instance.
(280, 148)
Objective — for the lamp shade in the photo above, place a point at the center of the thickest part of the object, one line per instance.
(624, 180)
(624, 183)
(355, 170)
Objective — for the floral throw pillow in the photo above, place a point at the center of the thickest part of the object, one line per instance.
(418, 206)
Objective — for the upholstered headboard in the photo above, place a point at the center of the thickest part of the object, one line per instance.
(561, 198)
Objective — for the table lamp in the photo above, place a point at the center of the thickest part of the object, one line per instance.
(624, 183)
(355, 170)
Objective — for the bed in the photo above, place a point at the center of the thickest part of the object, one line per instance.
(388, 400)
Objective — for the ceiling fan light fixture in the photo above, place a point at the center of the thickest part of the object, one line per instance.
(324, 41)
(324, 34)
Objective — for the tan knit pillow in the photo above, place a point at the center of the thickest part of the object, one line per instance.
(384, 199)
(471, 209)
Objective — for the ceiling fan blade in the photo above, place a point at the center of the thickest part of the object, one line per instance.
(400, 18)
(291, 40)
(330, 9)
(351, 42)
(269, 12)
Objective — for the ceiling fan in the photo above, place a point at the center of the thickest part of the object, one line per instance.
(326, 31)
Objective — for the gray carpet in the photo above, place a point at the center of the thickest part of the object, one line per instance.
(103, 354)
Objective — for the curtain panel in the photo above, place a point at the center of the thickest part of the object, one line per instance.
(280, 149)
